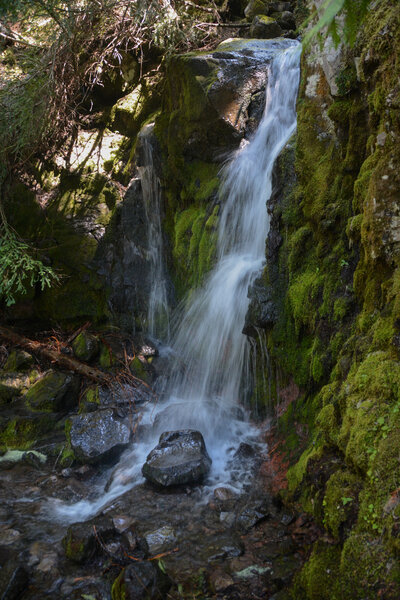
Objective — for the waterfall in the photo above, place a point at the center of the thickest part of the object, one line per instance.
(204, 389)
(158, 309)
(209, 340)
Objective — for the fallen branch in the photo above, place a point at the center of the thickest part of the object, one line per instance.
(67, 362)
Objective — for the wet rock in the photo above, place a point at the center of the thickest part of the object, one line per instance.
(252, 571)
(160, 539)
(54, 392)
(13, 457)
(222, 494)
(14, 579)
(264, 27)
(18, 360)
(141, 581)
(245, 451)
(81, 540)
(85, 346)
(252, 513)
(262, 312)
(223, 546)
(98, 436)
(180, 457)
(123, 522)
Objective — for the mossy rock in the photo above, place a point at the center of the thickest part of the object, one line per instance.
(80, 542)
(19, 360)
(140, 369)
(341, 501)
(54, 392)
(89, 400)
(265, 28)
(85, 346)
(23, 432)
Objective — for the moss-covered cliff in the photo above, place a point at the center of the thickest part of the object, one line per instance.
(333, 273)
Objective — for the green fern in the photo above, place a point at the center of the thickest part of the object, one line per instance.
(18, 270)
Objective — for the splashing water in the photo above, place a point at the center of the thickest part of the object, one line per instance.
(209, 340)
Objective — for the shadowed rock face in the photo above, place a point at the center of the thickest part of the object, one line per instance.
(180, 457)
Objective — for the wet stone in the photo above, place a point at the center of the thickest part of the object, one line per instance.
(180, 458)
(160, 539)
(254, 512)
(81, 541)
(222, 494)
(98, 436)
(223, 546)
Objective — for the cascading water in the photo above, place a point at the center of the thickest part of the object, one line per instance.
(158, 309)
(208, 342)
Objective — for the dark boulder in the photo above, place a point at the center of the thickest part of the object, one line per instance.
(98, 436)
(180, 457)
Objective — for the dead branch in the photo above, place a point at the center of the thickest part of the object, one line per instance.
(67, 362)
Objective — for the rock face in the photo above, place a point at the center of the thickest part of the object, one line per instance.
(180, 457)
(98, 436)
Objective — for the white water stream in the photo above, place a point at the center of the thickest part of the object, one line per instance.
(205, 394)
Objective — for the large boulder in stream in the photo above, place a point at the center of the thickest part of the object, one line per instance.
(180, 457)
(98, 436)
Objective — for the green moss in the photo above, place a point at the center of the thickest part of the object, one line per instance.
(319, 578)
(118, 591)
(340, 500)
(303, 295)
(194, 245)
(138, 369)
(23, 432)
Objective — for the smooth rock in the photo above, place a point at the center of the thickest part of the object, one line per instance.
(264, 27)
(98, 436)
(180, 457)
